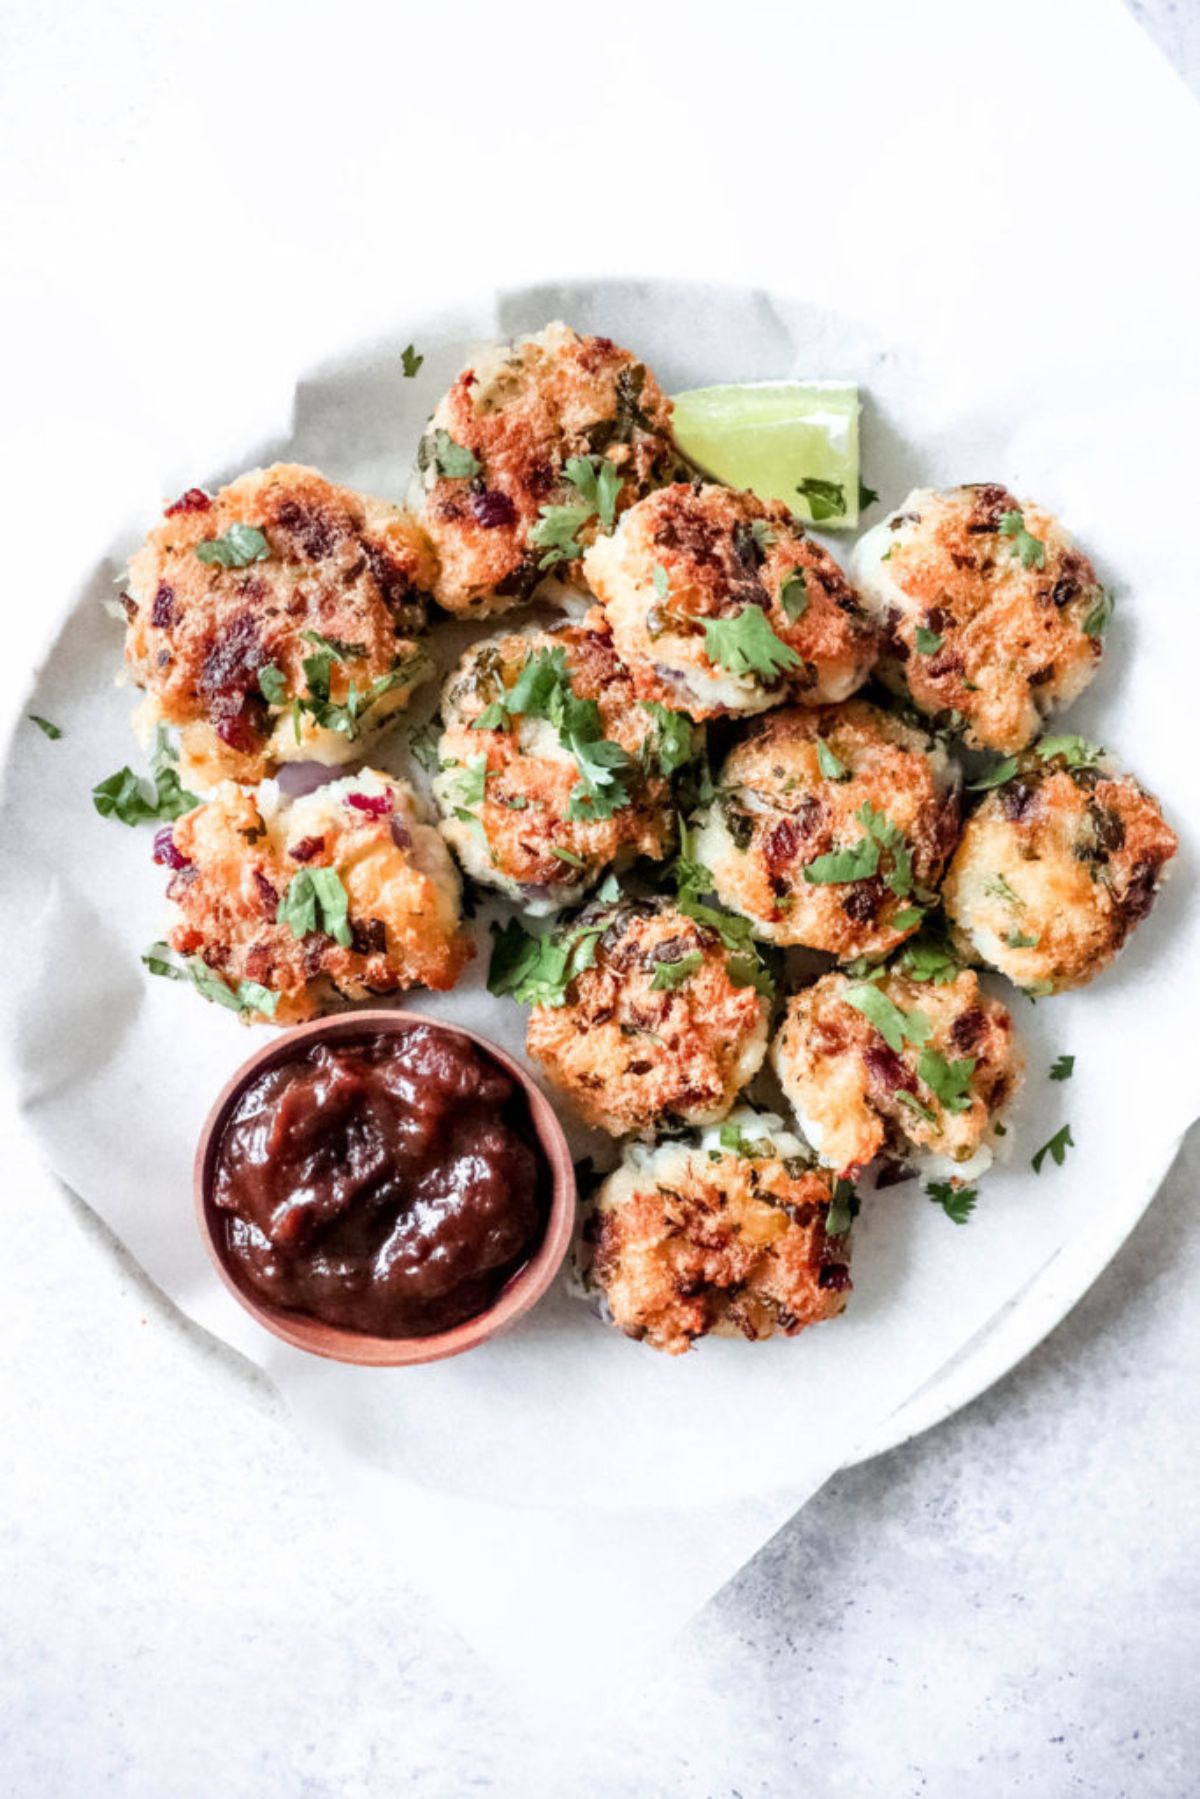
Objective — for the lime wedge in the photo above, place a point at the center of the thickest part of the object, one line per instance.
(795, 441)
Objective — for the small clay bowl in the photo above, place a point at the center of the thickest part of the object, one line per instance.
(336, 1341)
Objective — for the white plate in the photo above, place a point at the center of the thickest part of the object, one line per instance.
(940, 1312)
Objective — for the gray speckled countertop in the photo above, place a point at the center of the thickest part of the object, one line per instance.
(1009, 1605)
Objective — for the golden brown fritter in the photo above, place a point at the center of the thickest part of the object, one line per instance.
(1057, 867)
(307, 557)
(987, 609)
(514, 800)
(662, 1028)
(494, 461)
(890, 798)
(697, 580)
(689, 1239)
(931, 1095)
(235, 857)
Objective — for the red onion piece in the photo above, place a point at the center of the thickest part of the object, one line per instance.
(375, 805)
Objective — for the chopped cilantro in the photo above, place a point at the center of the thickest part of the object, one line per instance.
(410, 361)
(957, 1202)
(423, 745)
(828, 763)
(907, 917)
(793, 595)
(452, 460)
(930, 959)
(915, 1105)
(733, 931)
(1077, 752)
(1056, 1148)
(53, 732)
(335, 647)
(857, 863)
(674, 740)
(316, 901)
(866, 495)
(669, 975)
(895, 1026)
(1017, 940)
(492, 718)
(247, 996)
(470, 784)
(826, 499)
(747, 645)
(994, 777)
(272, 684)
(948, 1081)
(1030, 549)
(136, 800)
(599, 482)
(998, 887)
(537, 971)
(1100, 616)
(240, 546)
(839, 1213)
(557, 532)
(747, 971)
(1063, 1069)
(564, 855)
(928, 642)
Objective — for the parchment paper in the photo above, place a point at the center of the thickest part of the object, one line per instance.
(565, 1460)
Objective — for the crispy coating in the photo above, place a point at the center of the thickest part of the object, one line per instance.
(635, 1054)
(690, 1239)
(1054, 871)
(235, 856)
(775, 813)
(509, 839)
(1010, 630)
(356, 570)
(523, 411)
(856, 1098)
(694, 555)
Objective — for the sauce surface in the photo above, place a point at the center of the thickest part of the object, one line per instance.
(390, 1183)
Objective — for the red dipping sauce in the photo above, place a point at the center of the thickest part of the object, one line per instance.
(391, 1183)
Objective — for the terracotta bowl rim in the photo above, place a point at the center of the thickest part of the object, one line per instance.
(338, 1342)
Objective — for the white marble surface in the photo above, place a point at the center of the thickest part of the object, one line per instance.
(1007, 1606)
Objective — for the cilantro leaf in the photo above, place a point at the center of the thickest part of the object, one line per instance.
(316, 900)
(410, 361)
(905, 1098)
(669, 975)
(423, 745)
(957, 1202)
(599, 482)
(994, 777)
(536, 687)
(949, 1082)
(929, 959)
(470, 783)
(492, 718)
(999, 888)
(53, 732)
(599, 762)
(826, 499)
(1018, 940)
(866, 495)
(828, 763)
(565, 855)
(1063, 1069)
(1056, 1148)
(747, 645)
(247, 996)
(557, 532)
(537, 971)
(733, 931)
(928, 642)
(842, 1208)
(857, 863)
(895, 1026)
(240, 546)
(793, 595)
(1030, 549)
(272, 684)
(138, 801)
(453, 460)
(675, 737)
(1100, 616)
(1077, 752)
(336, 647)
